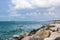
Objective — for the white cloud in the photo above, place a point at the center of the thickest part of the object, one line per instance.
(21, 4)
(51, 13)
(30, 4)
(34, 3)
(34, 14)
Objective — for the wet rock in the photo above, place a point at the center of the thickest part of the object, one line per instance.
(35, 30)
(15, 37)
(23, 35)
(32, 32)
(43, 26)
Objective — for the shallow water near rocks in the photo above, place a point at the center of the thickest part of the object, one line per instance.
(10, 28)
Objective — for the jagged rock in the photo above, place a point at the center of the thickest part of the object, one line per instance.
(56, 28)
(43, 33)
(23, 35)
(32, 32)
(32, 38)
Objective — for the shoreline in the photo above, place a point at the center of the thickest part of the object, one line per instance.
(46, 32)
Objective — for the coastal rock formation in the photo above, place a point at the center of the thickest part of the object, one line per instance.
(43, 33)
(46, 32)
(32, 38)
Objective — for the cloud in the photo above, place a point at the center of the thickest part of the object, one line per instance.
(21, 4)
(34, 3)
(34, 14)
(35, 9)
(14, 14)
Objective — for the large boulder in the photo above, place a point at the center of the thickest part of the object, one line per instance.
(43, 33)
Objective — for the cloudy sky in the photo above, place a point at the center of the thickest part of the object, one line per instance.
(29, 10)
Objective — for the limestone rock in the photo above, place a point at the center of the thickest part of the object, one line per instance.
(53, 36)
(32, 38)
(43, 33)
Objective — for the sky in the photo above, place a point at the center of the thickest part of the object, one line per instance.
(29, 10)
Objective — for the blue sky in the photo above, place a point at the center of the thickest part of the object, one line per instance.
(29, 10)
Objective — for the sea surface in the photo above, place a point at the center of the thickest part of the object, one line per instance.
(10, 28)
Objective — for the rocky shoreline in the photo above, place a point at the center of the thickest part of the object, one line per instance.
(46, 32)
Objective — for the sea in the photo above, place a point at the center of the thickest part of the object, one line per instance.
(10, 28)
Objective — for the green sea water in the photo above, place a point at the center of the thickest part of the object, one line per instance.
(10, 28)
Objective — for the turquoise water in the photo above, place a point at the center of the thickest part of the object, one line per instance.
(8, 29)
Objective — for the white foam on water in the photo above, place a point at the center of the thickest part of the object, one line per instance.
(15, 35)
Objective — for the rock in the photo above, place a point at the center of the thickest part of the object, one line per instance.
(47, 27)
(43, 33)
(16, 37)
(43, 26)
(23, 35)
(32, 38)
(56, 21)
(32, 32)
(50, 26)
(58, 29)
(57, 38)
(53, 36)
